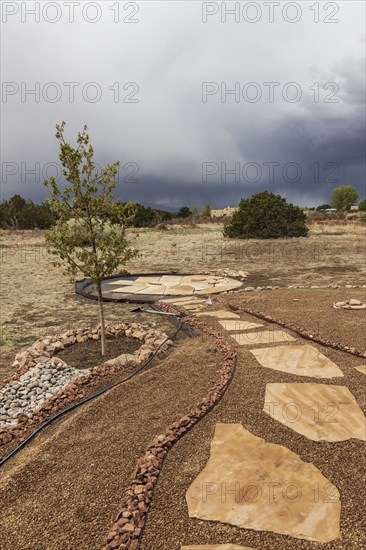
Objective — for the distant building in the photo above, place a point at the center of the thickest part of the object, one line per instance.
(330, 210)
(354, 207)
(220, 212)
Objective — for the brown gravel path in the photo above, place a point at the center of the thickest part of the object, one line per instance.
(63, 490)
(168, 525)
(312, 310)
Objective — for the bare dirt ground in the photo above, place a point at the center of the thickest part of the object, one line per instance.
(37, 299)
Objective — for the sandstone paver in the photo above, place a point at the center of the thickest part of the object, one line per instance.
(320, 412)
(303, 360)
(257, 485)
(262, 337)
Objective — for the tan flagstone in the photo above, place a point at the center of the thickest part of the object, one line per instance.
(263, 486)
(180, 289)
(320, 412)
(361, 368)
(129, 289)
(192, 278)
(199, 286)
(303, 360)
(194, 308)
(122, 282)
(210, 290)
(168, 278)
(232, 285)
(221, 314)
(216, 547)
(262, 337)
(155, 280)
(183, 300)
(238, 325)
(152, 290)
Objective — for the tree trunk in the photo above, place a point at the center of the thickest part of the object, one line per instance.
(101, 319)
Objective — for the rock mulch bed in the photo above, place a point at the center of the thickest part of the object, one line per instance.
(130, 520)
(33, 388)
(38, 356)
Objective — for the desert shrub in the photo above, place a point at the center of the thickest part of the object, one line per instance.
(266, 216)
(362, 205)
(20, 213)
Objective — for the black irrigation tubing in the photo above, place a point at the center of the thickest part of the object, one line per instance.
(95, 394)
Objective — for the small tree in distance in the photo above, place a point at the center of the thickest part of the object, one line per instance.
(362, 205)
(90, 244)
(184, 212)
(266, 216)
(195, 212)
(344, 196)
(206, 211)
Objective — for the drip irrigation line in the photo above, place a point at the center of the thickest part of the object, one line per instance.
(95, 394)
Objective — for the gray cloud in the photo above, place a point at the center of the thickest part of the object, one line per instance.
(170, 132)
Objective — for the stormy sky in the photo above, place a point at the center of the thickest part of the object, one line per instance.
(200, 104)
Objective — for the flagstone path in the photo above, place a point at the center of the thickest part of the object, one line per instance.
(241, 467)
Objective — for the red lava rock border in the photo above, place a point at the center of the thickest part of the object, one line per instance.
(154, 340)
(130, 520)
(301, 331)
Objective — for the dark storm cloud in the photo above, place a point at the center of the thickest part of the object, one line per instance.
(184, 149)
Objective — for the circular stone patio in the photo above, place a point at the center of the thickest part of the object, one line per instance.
(156, 286)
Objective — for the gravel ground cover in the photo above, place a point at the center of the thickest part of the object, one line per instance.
(31, 390)
(310, 309)
(63, 490)
(168, 526)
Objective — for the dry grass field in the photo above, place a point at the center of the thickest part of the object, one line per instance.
(37, 299)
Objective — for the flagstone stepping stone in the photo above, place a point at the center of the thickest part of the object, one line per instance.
(220, 314)
(320, 412)
(361, 368)
(238, 325)
(183, 300)
(216, 547)
(263, 337)
(303, 360)
(152, 290)
(180, 289)
(263, 486)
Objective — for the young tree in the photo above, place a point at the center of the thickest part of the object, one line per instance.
(195, 212)
(266, 216)
(206, 211)
(344, 196)
(83, 238)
